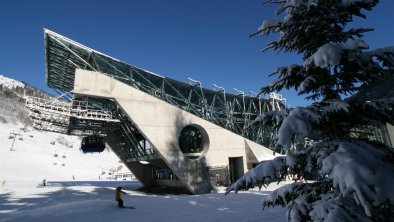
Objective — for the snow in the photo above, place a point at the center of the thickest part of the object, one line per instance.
(330, 207)
(330, 53)
(291, 4)
(362, 176)
(296, 123)
(293, 126)
(264, 28)
(296, 4)
(76, 202)
(37, 152)
(306, 82)
(23, 198)
(263, 174)
(284, 192)
(359, 169)
(10, 83)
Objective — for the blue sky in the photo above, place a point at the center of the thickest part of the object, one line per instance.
(206, 40)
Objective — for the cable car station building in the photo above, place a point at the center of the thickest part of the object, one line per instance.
(167, 132)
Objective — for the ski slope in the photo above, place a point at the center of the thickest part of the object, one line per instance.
(87, 198)
(33, 157)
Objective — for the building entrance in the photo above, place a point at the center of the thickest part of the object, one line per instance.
(236, 165)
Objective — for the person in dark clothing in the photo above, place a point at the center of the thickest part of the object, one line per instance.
(118, 197)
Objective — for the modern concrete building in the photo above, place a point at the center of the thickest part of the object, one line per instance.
(168, 133)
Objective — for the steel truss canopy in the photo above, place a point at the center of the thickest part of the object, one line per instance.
(231, 111)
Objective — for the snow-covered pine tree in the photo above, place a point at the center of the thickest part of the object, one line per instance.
(352, 89)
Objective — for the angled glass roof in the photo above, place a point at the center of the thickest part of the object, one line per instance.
(64, 55)
(233, 112)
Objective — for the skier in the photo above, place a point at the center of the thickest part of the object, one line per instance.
(44, 182)
(118, 197)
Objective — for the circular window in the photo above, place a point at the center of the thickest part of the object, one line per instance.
(191, 141)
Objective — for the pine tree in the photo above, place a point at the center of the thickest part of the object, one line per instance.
(351, 88)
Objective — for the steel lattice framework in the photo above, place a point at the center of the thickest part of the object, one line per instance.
(231, 111)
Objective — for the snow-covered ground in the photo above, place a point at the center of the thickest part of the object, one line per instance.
(33, 157)
(10, 83)
(87, 198)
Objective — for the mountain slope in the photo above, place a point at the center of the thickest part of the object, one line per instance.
(30, 156)
(12, 102)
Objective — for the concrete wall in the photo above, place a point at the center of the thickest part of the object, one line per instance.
(161, 123)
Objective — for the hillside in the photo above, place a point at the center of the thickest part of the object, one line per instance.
(52, 156)
(12, 102)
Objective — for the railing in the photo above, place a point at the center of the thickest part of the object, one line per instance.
(136, 146)
(56, 115)
(58, 109)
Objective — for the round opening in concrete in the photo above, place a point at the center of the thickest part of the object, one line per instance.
(192, 141)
